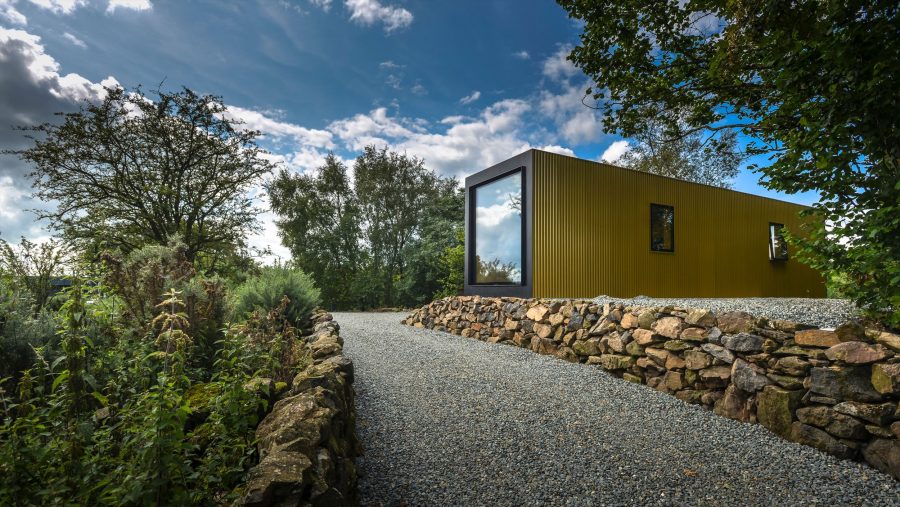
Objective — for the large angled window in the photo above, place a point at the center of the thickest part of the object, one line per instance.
(498, 231)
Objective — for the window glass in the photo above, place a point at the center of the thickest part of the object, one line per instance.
(662, 228)
(778, 249)
(498, 230)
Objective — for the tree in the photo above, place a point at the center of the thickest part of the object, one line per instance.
(692, 157)
(430, 267)
(33, 266)
(131, 171)
(392, 189)
(812, 84)
(320, 224)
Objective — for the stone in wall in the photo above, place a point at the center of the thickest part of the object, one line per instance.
(308, 441)
(834, 390)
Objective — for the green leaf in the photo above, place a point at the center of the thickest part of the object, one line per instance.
(104, 401)
(62, 377)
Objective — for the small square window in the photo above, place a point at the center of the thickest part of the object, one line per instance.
(778, 249)
(662, 228)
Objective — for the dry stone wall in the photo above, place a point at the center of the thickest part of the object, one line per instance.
(308, 441)
(836, 390)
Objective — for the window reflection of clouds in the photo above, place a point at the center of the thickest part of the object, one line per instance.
(498, 228)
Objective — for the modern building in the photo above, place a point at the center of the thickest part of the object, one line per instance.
(547, 225)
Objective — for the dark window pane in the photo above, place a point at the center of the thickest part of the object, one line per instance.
(662, 228)
(498, 230)
(778, 249)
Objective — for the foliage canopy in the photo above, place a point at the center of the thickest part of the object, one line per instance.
(812, 83)
(131, 171)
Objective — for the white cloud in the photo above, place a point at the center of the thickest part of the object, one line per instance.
(472, 97)
(557, 67)
(522, 55)
(553, 148)
(43, 69)
(369, 12)
(59, 6)
(9, 13)
(576, 123)
(615, 151)
(134, 5)
(325, 5)
(255, 120)
(455, 145)
(74, 40)
(419, 89)
(491, 216)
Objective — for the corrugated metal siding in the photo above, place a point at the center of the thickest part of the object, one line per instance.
(591, 236)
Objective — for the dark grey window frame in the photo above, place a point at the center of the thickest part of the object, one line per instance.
(772, 256)
(666, 206)
(523, 163)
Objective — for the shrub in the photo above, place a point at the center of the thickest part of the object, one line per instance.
(144, 275)
(21, 330)
(266, 291)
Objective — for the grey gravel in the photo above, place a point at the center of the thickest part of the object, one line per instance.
(447, 420)
(824, 313)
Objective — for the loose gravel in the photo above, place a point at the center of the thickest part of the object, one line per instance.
(447, 420)
(824, 313)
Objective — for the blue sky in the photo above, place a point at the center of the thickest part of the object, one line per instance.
(463, 84)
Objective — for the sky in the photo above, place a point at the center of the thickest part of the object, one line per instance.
(463, 84)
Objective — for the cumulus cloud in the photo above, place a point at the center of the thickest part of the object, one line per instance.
(10, 14)
(614, 152)
(370, 12)
(557, 67)
(133, 5)
(555, 148)
(576, 123)
(31, 91)
(256, 120)
(59, 6)
(522, 55)
(472, 97)
(74, 40)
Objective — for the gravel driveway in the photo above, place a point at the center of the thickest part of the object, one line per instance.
(447, 420)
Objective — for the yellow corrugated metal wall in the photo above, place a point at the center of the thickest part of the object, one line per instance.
(591, 236)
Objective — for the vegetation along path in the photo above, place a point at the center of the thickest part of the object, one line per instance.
(447, 420)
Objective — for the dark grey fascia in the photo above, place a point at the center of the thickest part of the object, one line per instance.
(523, 161)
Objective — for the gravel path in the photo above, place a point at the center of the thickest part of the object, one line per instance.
(447, 420)
(824, 313)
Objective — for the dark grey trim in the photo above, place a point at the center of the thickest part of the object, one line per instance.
(523, 161)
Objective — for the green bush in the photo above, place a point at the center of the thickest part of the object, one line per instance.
(265, 292)
(21, 330)
(111, 420)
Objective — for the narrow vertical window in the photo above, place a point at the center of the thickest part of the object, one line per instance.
(778, 249)
(662, 228)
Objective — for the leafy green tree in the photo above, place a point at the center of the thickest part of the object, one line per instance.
(392, 190)
(812, 83)
(320, 224)
(33, 266)
(694, 157)
(453, 264)
(440, 230)
(130, 171)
